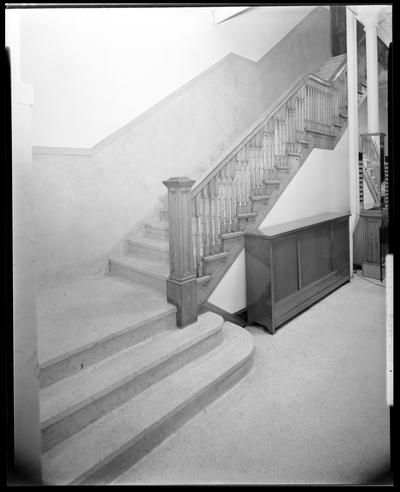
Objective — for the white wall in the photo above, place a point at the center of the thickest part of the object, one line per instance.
(94, 70)
(321, 185)
(26, 468)
(27, 445)
(230, 293)
(87, 203)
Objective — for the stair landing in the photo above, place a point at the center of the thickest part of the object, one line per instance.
(81, 312)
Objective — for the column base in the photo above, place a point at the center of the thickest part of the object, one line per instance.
(183, 294)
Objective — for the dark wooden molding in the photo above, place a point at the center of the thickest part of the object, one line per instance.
(232, 317)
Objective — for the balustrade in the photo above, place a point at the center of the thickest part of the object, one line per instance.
(219, 200)
(372, 170)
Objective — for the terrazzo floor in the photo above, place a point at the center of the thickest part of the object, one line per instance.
(312, 410)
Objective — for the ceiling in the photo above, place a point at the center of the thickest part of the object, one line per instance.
(380, 14)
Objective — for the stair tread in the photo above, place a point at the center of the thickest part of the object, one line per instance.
(159, 244)
(152, 267)
(79, 313)
(100, 442)
(216, 256)
(157, 224)
(260, 197)
(334, 60)
(247, 215)
(76, 391)
(203, 279)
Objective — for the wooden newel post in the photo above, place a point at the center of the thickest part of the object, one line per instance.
(182, 283)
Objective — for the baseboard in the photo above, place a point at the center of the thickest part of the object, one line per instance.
(239, 318)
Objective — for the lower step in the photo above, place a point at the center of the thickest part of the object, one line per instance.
(109, 446)
(88, 355)
(149, 248)
(75, 402)
(151, 273)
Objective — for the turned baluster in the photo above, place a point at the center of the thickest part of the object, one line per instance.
(217, 212)
(233, 206)
(302, 108)
(210, 224)
(197, 215)
(222, 202)
(239, 183)
(247, 179)
(264, 160)
(228, 217)
(251, 163)
(254, 165)
(205, 228)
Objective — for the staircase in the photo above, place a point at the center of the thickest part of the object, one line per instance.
(247, 177)
(122, 376)
(331, 66)
(117, 376)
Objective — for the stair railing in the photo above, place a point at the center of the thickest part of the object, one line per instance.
(373, 169)
(222, 201)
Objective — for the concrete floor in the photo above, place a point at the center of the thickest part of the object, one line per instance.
(312, 410)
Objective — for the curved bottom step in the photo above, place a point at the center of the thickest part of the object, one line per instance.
(106, 448)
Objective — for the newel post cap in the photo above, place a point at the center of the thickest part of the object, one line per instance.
(179, 182)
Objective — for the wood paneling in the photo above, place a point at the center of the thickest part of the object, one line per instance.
(291, 266)
(315, 252)
(284, 264)
(371, 240)
(340, 234)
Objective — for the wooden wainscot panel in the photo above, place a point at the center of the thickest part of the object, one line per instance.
(259, 276)
(290, 266)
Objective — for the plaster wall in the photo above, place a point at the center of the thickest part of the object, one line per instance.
(87, 200)
(94, 70)
(27, 446)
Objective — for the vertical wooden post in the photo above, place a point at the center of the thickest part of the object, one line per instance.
(182, 283)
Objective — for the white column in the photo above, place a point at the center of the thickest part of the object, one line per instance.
(372, 74)
(351, 39)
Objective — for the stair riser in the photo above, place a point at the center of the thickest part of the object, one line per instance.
(139, 277)
(145, 251)
(156, 233)
(106, 348)
(280, 174)
(245, 223)
(210, 267)
(164, 215)
(323, 141)
(259, 205)
(134, 451)
(270, 188)
(232, 243)
(68, 425)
